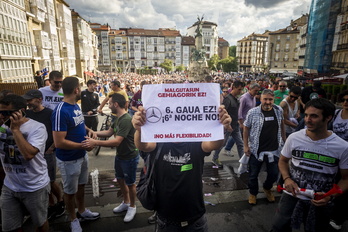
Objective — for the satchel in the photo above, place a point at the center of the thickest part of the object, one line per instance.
(146, 190)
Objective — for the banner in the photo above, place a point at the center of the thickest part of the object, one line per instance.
(181, 113)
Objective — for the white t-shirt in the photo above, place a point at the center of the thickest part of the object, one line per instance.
(314, 164)
(51, 98)
(25, 175)
(340, 126)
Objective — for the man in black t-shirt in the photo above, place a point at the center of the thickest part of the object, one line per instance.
(178, 174)
(43, 114)
(264, 135)
(89, 105)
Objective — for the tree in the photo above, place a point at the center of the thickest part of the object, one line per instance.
(229, 64)
(180, 68)
(233, 51)
(167, 65)
(213, 62)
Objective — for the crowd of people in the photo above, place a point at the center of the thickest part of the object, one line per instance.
(294, 130)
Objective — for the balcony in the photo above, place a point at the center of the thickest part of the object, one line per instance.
(301, 57)
(286, 50)
(285, 59)
(276, 59)
(342, 46)
(302, 45)
(295, 59)
(277, 50)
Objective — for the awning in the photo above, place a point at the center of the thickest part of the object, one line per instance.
(89, 73)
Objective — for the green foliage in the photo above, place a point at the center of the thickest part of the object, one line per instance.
(180, 68)
(167, 65)
(213, 62)
(229, 64)
(232, 51)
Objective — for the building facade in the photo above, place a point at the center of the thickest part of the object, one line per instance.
(340, 43)
(252, 52)
(284, 45)
(15, 44)
(210, 37)
(102, 32)
(85, 43)
(320, 35)
(187, 45)
(223, 48)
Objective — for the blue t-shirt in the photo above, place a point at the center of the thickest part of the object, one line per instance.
(69, 118)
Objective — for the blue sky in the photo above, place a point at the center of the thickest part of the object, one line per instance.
(235, 18)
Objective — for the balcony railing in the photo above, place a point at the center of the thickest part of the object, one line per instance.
(342, 46)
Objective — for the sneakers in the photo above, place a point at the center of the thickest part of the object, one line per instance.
(269, 195)
(152, 219)
(51, 213)
(217, 162)
(334, 225)
(75, 226)
(87, 215)
(59, 209)
(252, 199)
(122, 207)
(130, 214)
(227, 152)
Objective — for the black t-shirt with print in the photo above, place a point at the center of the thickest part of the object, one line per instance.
(269, 133)
(178, 177)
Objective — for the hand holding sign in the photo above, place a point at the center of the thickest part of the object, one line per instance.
(183, 113)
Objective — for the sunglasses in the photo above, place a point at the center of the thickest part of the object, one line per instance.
(294, 97)
(58, 82)
(282, 85)
(344, 100)
(7, 112)
(225, 91)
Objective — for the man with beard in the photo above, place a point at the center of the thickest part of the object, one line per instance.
(291, 109)
(26, 185)
(69, 131)
(127, 157)
(315, 155)
(52, 95)
(264, 135)
(42, 114)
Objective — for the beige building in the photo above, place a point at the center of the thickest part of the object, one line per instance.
(15, 44)
(66, 36)
(340, 43)
(302, 50)
(102, 32)
(118, 50)
(187, 44)
(284, 45)
(252, 53)
(223, 48)
(85, 43)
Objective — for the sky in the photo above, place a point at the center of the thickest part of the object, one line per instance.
(235, 18)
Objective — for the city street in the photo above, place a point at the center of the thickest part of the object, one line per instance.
(225, 195)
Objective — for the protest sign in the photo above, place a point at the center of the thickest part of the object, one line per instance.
(181, 113)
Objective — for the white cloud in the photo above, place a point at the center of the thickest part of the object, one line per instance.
(235, 19)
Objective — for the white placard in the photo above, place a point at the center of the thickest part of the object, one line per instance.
(181, 113)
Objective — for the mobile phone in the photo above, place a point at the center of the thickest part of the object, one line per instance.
(8, 121)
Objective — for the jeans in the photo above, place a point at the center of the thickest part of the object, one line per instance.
(236, 137)
(216, 152)
(254, 170)
(285, 209)
(200, 225)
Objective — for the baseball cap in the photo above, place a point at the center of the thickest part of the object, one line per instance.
(34, 93)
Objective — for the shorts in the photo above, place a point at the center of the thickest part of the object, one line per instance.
(74, 173)
(126, 169)
(15, 204)
(51, 166)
